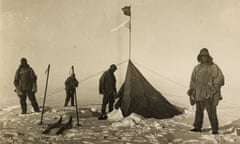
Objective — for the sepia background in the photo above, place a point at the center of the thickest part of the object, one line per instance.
(165, 41)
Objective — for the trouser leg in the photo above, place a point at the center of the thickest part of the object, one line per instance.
(33, 101)
(104, 103)
(212, 115)
(118, 103)
(199, 115)
(72, 98)
(23, 102)
(67, 98)
(111, 102)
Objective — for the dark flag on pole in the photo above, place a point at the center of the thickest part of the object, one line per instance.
(126, 10)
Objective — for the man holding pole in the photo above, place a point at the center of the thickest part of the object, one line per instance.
(70, 84)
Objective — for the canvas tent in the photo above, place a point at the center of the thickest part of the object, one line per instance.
(137, 95)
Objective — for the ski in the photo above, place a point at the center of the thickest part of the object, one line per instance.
(51, 126)
(68, 125)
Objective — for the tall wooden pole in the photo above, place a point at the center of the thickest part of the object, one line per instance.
(75, 96)
(127, 11)
(130, 34)
(45, 94)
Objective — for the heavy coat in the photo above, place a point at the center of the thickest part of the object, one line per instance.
(206, 82)
(71, 83)
(107, 83)
(25, 79)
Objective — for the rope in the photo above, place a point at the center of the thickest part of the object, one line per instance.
(85, 79)
(161, 76)
(97, 73)
(228, 107)
(183, 86)
(57, 91)
(175, 96)
(172, 98)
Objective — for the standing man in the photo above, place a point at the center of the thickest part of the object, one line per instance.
(107, 87)
(205, 90)
(25, 83)
(70, 86)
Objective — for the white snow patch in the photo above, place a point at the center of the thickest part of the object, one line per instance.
(209, 137)
(83, 111)
(10, 108)
(93, 109)
(115, 115)
(129, 121)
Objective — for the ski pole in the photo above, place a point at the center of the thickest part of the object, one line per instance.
(45, 94)
(75, 95)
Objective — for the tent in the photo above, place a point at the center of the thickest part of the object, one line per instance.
(137, 95)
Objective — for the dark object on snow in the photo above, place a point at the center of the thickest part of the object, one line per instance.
(102, 117)
(55, 125)
(196, 130)
(68, 125)
(60, 125)
(137, 95)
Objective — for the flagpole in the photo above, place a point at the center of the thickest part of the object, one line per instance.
(127, 11)
(45, 94)
(130, 34)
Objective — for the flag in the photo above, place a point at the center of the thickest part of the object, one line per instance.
(125, 24)
(126, 10)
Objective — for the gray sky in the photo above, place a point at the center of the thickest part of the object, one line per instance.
(166, 38)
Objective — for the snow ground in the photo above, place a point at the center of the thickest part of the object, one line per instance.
(25, 129)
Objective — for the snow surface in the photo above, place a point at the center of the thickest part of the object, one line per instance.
(22, 129)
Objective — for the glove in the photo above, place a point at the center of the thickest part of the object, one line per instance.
(220, 98)
(192, 100)
(191, 93)
(18, 91)
(34, 88)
